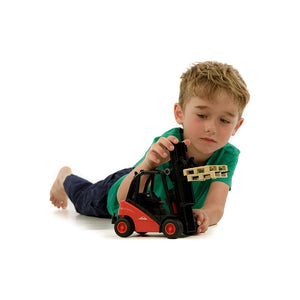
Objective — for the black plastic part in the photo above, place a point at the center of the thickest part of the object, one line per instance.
(147, 201)
(184, 195)
(114, 219)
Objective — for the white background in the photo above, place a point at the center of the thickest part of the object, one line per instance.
(89, 84)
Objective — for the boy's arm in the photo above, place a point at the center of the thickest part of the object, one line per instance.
(213, 208)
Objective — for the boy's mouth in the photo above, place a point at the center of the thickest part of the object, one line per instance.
(208, 140)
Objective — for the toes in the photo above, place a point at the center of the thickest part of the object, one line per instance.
(64, 205)
(58, 201)
(55, 202)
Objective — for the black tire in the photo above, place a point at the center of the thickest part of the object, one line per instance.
(124, 227)
(172, 228)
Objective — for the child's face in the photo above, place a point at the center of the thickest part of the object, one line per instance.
(208, 124)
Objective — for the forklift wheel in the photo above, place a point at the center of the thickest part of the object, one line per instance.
(172, 228)
(124, 227)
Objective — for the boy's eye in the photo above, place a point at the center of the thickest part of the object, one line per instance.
(225, 121)
(201, 116)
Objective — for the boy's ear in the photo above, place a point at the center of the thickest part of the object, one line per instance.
(178, 113)
(238, 125)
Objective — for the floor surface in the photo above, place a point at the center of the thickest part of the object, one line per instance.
(49, 253)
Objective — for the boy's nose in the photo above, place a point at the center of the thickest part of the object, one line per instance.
(210, 127)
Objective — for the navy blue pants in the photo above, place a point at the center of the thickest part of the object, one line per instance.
(91, 199)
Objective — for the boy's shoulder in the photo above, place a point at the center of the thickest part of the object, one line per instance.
(226, 154)
(229, 148)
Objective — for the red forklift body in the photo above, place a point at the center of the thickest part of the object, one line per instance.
(142, 221)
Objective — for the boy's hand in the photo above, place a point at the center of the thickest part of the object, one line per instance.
(159, 152)
(202, 220)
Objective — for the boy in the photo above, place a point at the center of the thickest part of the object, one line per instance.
(211, 101)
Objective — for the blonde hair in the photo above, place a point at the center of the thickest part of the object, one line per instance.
(208, 78)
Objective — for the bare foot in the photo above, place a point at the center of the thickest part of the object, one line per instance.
(58, 196)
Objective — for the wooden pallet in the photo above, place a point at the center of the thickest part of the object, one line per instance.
(206, 172)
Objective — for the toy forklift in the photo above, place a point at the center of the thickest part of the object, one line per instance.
(143, 211)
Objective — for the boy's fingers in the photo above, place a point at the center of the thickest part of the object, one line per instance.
(199, 219)
(173, 139)
(204, 225)
(202, 222)
(153, 156)
(160, 149)
(164, 144)
(167, 142)
(203, 228)
(187, 142)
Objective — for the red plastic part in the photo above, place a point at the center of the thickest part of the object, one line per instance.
(142, 222)
(122, 227)
(174, 208)
(170, 228)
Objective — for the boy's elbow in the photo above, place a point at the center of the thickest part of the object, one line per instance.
(218, 214)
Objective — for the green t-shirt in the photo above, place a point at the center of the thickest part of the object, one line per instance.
(228, 155)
